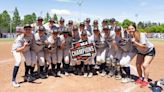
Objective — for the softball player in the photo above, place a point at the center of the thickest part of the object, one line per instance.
(126, 52)
(36, 25)
(101, 48)
(22, 45)
(110, 39)
(88, 26)
(95, 23)
(38, 47)
(51, 51)
(88, 64)
(75, 38)
(146, 53)
(82, 28)
(63, 53)
(50, 26)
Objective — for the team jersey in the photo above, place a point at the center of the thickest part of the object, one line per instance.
(109, 38)
(20, 40)
(67, 41)
(99, 42)
(39, 42)
(49, 28)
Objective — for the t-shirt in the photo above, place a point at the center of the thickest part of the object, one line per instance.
(144, 40)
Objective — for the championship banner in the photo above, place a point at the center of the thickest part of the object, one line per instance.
(82, 50)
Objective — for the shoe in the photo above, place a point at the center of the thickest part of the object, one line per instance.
(118, 77)
(42, 76)
(30, 78)
(15, 84)
(144, 83)
(59, 74)
(126, 80)
(66, 74)
(85, 75)
(110, 74)
(90, 75)
(53, 73)
(138, 81)
(103, 73)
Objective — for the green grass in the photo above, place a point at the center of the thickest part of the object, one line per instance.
(6, 39)
(157, 40)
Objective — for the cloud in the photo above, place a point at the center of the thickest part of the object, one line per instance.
(60, 12)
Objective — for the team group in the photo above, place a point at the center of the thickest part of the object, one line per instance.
(47, 48)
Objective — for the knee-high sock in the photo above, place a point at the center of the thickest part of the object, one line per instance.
(41, 69)
(15, 71)
(32, 70)
(27, 68)
(58, 66)
(127, 71)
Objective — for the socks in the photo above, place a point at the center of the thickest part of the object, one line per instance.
(41, 69)
(27, 68)
(32, 70)
(15, 71)
(127, 71)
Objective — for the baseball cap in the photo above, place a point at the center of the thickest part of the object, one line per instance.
(84, 33)
(75, 28)
(112, 20)
(27, 26)
(70, 22)
(41, 28)
(62, 20)
(118, 28)
(82, 24)
(95, 29)
(51, 20)
(105, 28)
(40, 18)
(87, 19)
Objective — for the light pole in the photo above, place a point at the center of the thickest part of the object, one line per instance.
(79, 3)
(11, 12)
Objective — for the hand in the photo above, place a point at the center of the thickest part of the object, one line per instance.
(133, 40)
(25, 44)
(62, 45)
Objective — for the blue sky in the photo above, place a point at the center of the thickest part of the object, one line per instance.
(146, 10)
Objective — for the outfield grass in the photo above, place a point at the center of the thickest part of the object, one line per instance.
(161, 40)
(6, 39)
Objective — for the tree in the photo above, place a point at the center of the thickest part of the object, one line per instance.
(46, 18)
(5, 21)
(141, 25)
(28, 19)
(55, 17)
(33, 17)
(118, 23)
(126, 22)
(16, 18)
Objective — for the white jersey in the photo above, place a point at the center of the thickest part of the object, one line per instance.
(99, 42)
(20, 40)
(88, 33)
(67, 41)
(49, 28)
(53, 43)
(39, 42)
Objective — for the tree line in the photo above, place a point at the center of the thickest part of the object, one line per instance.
(7, 22)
